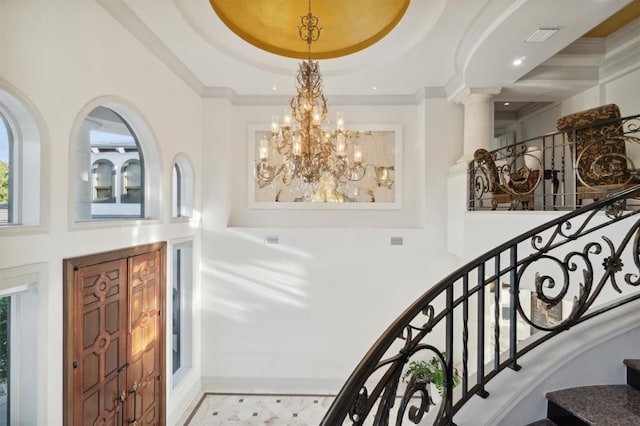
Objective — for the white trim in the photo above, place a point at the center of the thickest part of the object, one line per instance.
(273, 385)
(187, 276)
(31, 170)
(33, 277)
(150, 153)
(188, 189)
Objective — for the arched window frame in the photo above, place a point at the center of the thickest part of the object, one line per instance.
(182, 188)
(29, 156)
(152, 165)
(98, 190)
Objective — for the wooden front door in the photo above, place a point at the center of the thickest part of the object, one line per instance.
(114, 338)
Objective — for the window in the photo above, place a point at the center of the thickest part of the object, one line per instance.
(109, 148)
(131, 182)
(20, 163)
(182, 188)
(182, 311)
(103, 181)
(6, 166)
(177, 191)
(18, 345)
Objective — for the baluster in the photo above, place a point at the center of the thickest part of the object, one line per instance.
(465, 334)
(448, 397)
(497, 287)
(480, 378)
(513, 323)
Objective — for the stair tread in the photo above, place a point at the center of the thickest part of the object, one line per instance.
(543, 422)
(599, 404)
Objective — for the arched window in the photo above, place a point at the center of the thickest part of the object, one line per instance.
(108, 149)
(110, 129)
(131, 182)
(21, 152)
(103, 175)
(182, 188)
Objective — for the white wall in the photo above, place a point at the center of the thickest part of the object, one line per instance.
(304, 310)
(307, 309)
(623, 91)
(540, 122)
(60, 56)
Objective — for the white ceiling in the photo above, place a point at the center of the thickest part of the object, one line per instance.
(440, 46)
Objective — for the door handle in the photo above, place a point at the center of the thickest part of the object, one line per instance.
(134, 391)
(123, 408)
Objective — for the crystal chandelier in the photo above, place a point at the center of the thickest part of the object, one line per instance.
(301, 150)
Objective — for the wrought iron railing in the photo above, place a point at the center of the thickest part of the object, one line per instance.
(483, 317)
(559, 170)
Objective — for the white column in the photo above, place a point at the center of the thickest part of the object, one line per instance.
(478, 120)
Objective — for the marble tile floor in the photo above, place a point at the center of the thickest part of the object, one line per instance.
(254, 409)
(265, 409)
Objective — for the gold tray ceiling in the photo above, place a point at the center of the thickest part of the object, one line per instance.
(348, 26)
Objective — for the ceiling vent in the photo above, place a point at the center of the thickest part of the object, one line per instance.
(541, 34)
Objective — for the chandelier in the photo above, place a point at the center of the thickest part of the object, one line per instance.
(300, 149)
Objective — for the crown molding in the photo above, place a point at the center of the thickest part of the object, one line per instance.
(621, 63)
(132, 23)
(235, 99)
(463, 92)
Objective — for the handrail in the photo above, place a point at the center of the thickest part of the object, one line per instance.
(557, 170)
(553, 262)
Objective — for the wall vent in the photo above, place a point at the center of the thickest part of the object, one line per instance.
(272, 239)
(397, 241)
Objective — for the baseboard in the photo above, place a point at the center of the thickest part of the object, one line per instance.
(185, 404)
(272, 385)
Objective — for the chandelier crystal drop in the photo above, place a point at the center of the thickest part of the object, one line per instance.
(300, 149)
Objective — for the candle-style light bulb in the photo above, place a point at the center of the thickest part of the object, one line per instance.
(275, 126)
(297, 146)
(339, 121)
(286, 120)
(357, 155)
(341, 144)
(263, 150)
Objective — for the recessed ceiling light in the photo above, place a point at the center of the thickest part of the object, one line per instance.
(375, 87)
(274, 88)
(542, 34)
(517, 62)
(506, 104)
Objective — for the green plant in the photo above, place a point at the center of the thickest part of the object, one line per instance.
(430, 371)
(4, 334)
(4, 182)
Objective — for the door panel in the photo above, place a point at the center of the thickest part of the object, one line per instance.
(113, 337)
(100, 342)
(145, 370)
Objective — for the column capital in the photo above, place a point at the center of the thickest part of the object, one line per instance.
(475, 93)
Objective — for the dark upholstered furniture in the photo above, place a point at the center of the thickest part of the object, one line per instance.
(512, 189)
(601, 164)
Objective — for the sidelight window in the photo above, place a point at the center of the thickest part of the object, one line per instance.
(182, 311)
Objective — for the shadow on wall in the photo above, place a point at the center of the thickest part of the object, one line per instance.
(254, 276)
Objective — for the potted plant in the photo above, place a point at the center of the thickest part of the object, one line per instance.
(430, 371)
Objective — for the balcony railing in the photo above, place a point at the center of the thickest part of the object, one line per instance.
(558, 171)
(485, 316)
